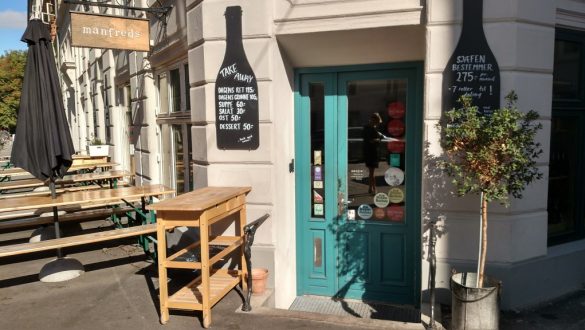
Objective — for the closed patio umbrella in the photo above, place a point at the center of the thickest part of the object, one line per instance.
(42, 144)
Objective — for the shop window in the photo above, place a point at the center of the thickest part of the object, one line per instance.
(163, 93)
(96, 112)
(187, 88)
(108, 124)
(566, 186)
(177, 169)
(174, 119)
(183, 166)
(175, 89)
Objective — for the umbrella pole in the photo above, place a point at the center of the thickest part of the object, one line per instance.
(60, 269)
(55, 216)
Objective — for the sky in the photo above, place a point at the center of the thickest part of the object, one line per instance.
(12, 24)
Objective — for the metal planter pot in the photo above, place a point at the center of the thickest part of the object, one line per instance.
(472, 307)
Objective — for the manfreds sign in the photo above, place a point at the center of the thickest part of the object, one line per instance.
(103, 31)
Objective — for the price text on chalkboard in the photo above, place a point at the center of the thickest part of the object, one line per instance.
(472, 69)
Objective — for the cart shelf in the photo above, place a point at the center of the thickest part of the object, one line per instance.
(190, 296)
(190, 257)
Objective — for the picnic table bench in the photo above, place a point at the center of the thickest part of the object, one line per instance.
(86, 198)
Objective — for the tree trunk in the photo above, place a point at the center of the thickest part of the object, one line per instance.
(483, 240)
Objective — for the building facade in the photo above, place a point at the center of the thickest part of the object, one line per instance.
(345, 223)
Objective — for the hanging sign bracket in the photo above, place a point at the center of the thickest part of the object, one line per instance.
(156, 10)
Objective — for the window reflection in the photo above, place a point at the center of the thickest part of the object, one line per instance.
(376, 149)
(175, 90)
(567, 69)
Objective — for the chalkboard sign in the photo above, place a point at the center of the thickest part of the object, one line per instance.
(236, 91)
(472, 69)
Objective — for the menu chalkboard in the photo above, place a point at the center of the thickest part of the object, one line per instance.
(236, 91)
(472, 69)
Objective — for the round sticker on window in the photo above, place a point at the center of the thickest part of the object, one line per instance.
(395, 127)
(379, 213)
(394, 176)
(396, 110)
(365, 211)
(395, 147)
(381, 200)
(395, 213)
(396, 195)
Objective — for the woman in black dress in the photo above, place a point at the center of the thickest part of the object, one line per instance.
(371, 140)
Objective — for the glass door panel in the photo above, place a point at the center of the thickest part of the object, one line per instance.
(317, 156)
(375, 149)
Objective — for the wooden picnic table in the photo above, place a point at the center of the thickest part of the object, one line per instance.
(12, 172)
(81, 198)
(112, 176)
(85, 197)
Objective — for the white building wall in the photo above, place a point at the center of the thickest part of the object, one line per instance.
(521, 34)
(281, 35)
(256, 168)
(275, 44)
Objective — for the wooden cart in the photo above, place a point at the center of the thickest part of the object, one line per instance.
(201, 208)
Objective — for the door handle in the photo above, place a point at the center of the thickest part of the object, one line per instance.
(342, 204)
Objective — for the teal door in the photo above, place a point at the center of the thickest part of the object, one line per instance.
(358, 154)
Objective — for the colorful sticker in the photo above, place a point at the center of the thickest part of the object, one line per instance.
(395, 127)
(318, 209)
(395, 147)
(395, 213)
(317, 198)
(394, 176)
(379, 213)
(396, 110)
(318, 184)
(365, 211)
(350, 214)
(317, 173)
(396, 195)
(395, 160)
(317, 157)
(381, 200)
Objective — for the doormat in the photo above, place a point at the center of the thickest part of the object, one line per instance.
(355, 308)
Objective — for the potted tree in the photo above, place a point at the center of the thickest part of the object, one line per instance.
(97, 149)
(493, 156)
